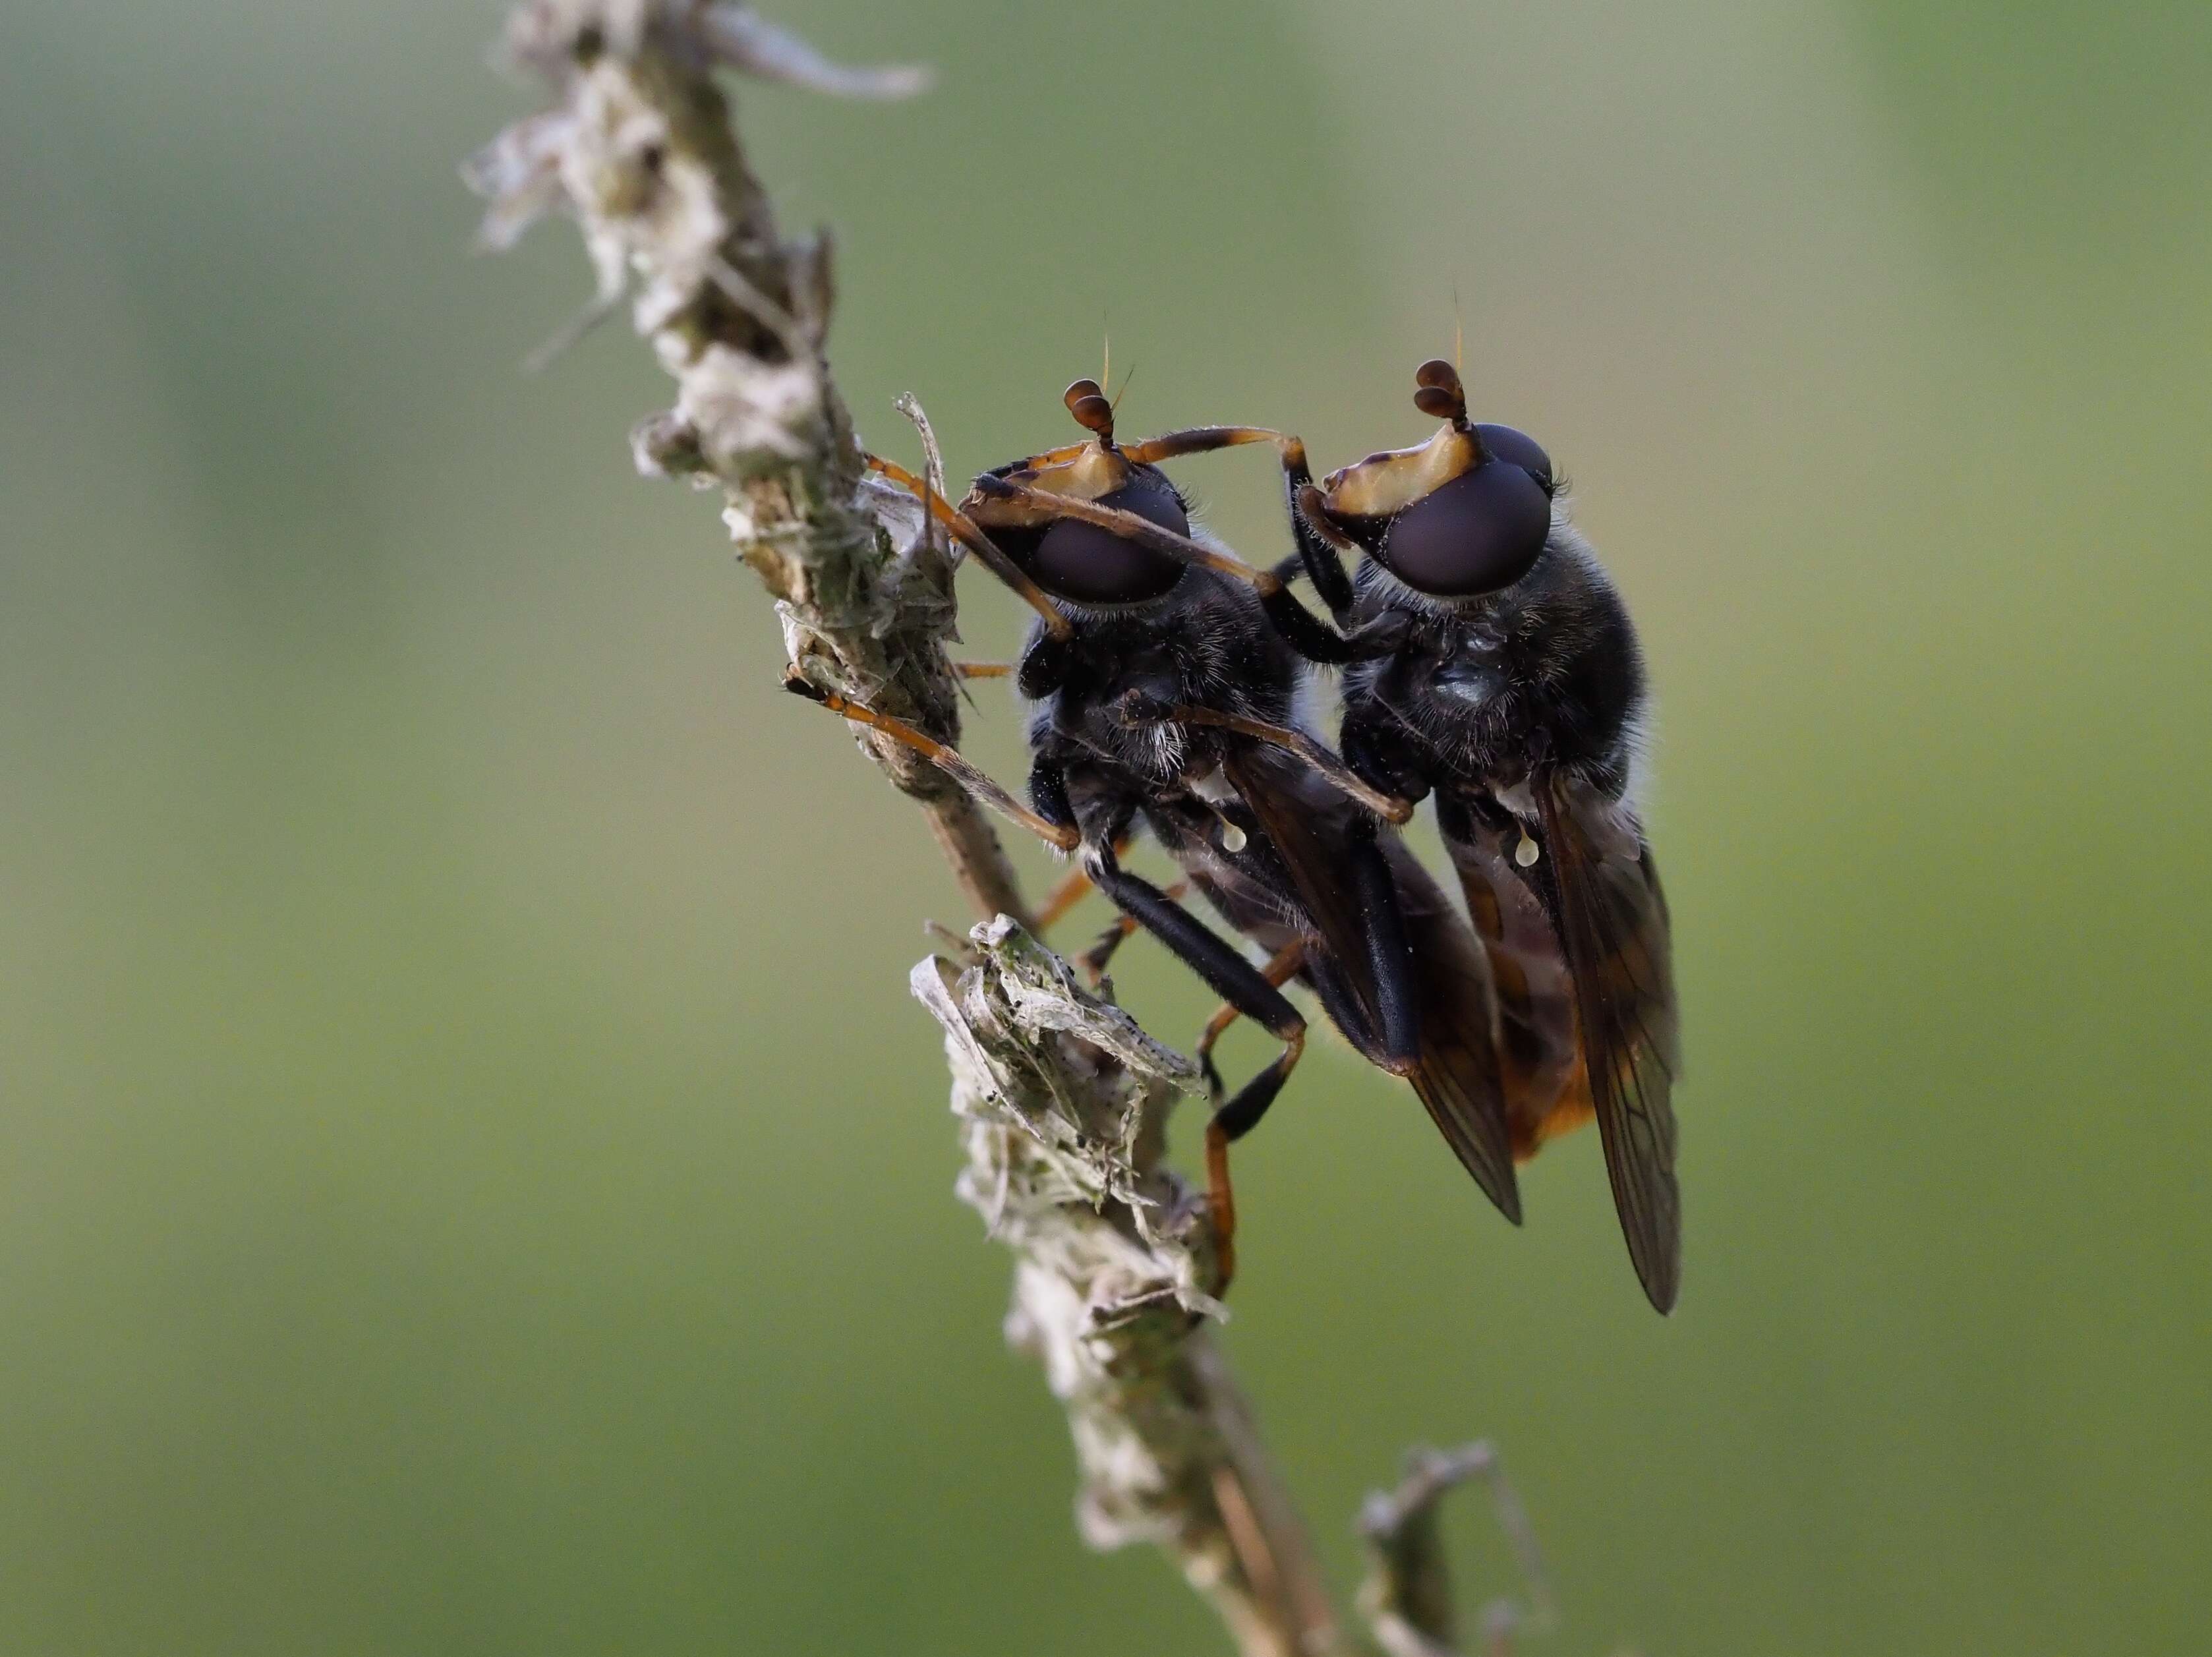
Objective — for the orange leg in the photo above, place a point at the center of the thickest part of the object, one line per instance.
(1062, 898)
(1292, 741)
(970, 535)
(1308, 636)
(1220, 1194)
(1130, 527)
(947, 759)
(1070, 891)
(1202, 439)
(1195, 439)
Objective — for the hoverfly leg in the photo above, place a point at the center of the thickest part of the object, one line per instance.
(1289, 739)
(1071, 891)
(1100, 955)
(1238, 982)
(1322, 545)
(1306, 632)
(1231, 1123)
(1321, 558)
(1204, 439)
(1048, 793)
(1279, 970)
(1128, 525)
(940, 755)
(1315, 557)
(1382, 760)
(1062, 898)
(971, 535)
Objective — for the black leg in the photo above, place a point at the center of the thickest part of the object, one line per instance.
(1304, 631)
(1278, 971)
(1331, 981)
(1100, 955)
(1231, 976)
(1323, 565)
(1238, 982)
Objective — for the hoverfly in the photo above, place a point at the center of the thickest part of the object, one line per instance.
(1164, 672)
(1490, 661)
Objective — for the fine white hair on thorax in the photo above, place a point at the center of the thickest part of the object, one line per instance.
(1166, 743)
(1640, 735)
(1306, 712)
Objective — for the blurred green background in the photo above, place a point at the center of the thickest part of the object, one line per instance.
(471, 1179)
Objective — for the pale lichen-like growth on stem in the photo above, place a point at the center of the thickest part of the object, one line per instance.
(639, 148)
(1062, 1099)
(1063, 1102)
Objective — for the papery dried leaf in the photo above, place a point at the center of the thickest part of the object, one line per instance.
(519, 172)
(743, 38)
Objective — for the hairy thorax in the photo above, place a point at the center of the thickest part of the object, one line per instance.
(1544, 672)
(1206, 644)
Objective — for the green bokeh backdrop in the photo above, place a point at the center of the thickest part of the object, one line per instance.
(471, 1179)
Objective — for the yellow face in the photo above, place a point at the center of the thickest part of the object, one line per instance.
(1087, 472)
(1384, 485)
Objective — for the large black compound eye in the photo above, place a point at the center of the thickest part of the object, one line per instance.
(1478, 533)
(1093, 565)
(1503, 443)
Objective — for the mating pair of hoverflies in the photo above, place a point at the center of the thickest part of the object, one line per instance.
(1485, 660)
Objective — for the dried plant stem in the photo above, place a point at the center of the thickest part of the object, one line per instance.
(1407, 1595)
(1062, 1098)
(979, 863)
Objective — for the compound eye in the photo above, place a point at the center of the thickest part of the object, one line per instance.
(1093, 566)
(1478, 533)
(1522, 450)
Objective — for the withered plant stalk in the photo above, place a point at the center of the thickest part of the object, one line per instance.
(1060, 1097)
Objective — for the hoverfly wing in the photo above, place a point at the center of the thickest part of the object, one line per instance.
(1456, 1073)
(1535, 994)
(1459, 1078)
(1304, 817)
(1603, 890)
